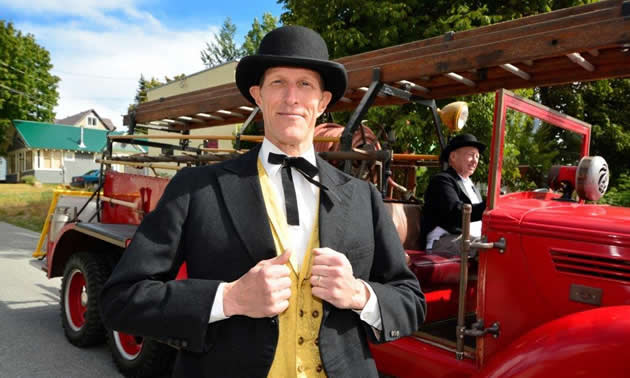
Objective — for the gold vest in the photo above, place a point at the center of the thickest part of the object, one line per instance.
(297, 352)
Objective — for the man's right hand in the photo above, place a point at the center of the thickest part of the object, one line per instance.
(264, 291)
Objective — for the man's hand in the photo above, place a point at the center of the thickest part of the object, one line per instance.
(333, 281)
(264, 291)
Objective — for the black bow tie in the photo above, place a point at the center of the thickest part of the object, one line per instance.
(307, 170)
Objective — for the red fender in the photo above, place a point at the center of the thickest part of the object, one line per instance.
(593, 343)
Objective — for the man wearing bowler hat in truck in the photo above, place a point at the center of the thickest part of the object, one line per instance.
(293, 266)
(447, 193)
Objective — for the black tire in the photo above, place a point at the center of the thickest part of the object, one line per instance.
(83, 277)
(137, 357)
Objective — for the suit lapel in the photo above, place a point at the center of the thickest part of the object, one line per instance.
(333, 211)
(243, 198)
(333, 207)
(460, 183)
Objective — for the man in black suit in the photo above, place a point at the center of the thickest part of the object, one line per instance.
(251, 270)
(446, 194)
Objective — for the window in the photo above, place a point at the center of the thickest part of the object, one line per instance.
(68, 155)
(47, 159)
(28, 162)
(12, 164)
(91, 121)
(56, 159)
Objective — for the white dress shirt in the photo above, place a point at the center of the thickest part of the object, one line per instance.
(307, 196)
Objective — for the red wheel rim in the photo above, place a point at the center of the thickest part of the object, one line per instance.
(128, 345)
(76, 299)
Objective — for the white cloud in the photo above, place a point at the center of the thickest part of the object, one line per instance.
(92, 10)
(100, 67)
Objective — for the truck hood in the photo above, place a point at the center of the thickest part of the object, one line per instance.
(565, 220)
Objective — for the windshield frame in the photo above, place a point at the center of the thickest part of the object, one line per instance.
(505, 100)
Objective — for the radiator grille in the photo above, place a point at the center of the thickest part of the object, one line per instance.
(585, 265)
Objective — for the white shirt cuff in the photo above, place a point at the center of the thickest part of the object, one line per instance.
(371, 314)
(217, 313)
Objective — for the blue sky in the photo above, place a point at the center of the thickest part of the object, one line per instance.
(99, 48)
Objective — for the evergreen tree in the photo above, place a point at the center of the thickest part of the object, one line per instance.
(143, 86)
(223, 48)
(27, 88)
(258, 31)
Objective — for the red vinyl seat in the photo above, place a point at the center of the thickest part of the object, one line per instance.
(438, 273)
(433, 270)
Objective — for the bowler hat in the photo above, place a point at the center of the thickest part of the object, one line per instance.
(293, 46)
(459, 141)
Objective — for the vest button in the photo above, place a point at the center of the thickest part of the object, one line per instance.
(319, 368)
(301, 313)
(300, 340)
(317, 341)
(300, 369)
(315, 313)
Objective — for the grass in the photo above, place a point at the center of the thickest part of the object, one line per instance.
(25, 205)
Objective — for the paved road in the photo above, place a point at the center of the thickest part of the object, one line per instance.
(32, 343)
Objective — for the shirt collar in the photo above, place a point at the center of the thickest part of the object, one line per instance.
(466, 180)
(272, 169)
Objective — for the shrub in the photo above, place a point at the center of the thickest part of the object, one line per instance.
(30, 180)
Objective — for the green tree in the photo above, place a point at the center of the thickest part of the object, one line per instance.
(355, 26)
(181, 76)
(143, 86)
(257, 32)
(223, 48)
(27, 88)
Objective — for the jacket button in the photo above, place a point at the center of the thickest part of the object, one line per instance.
(317, 341)
(315, 313)
(319, 368)
(300, 340)
(274, 321)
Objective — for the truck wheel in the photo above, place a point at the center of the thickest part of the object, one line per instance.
(83, 278)
(138, 357)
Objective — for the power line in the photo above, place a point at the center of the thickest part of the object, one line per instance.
(36, 101)
(97, 76)
(22, 72)
(71, 74)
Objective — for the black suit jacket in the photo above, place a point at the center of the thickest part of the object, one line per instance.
(443, 202)
(214, 219)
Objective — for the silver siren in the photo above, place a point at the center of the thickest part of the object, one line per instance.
(592, 177)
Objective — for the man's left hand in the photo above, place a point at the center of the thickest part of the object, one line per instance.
(333, 281)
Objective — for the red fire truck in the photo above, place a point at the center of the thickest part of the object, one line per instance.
(547, 290)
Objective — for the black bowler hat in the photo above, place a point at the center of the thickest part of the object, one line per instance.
(459, 141)
(293, 46)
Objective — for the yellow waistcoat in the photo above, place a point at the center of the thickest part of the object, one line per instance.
(297, 353)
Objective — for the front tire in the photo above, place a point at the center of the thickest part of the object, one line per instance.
(83, 278)
(138, 357)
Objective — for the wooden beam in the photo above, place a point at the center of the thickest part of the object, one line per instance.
(530, 39)
(247, 138)
(460, 78)
(580, 61)
(516, 71)
(413, 86)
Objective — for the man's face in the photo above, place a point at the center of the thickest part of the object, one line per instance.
(464, 160)
(291, 99)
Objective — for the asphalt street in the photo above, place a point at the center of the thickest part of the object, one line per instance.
(32, 342)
